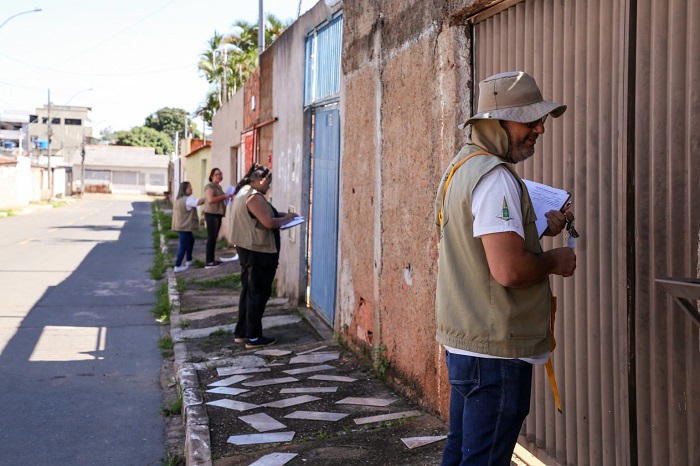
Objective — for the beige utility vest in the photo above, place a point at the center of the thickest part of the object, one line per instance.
(473, 311)
(218, 208)
(247, 232)
(183, 219)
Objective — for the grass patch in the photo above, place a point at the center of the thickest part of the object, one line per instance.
(180, 285)
(184, 324)
(172, 459)
(220, 332)
(395, 422)
(166, 343)
(381, 362)
(197, 264)
(173, 408)
(163, 306)
(227, 281)
(166, 221)
(55, 204)
(161, 260)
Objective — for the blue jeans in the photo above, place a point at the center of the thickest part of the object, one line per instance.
(186, 247)
(489, 401)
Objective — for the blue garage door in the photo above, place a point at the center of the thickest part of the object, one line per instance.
(324, 205)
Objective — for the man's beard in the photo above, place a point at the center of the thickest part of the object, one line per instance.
(519, 150)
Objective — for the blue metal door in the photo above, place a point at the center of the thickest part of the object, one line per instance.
(324, 210)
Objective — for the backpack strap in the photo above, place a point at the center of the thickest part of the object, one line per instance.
(451, 174)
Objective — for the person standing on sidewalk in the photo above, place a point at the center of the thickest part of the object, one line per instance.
(214, 210)
(255, 232)
(185, 222)
(493, 298)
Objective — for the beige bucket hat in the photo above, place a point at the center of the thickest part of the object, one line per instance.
(512, 96)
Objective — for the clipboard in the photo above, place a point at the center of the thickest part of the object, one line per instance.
(545, 198)
(292, 223)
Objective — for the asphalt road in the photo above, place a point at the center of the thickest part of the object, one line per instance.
(79, 362)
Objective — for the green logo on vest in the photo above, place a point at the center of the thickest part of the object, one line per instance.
(505, 214)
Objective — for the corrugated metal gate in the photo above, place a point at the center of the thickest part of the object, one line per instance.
(627, 360)
(321, 91)
(324, 222)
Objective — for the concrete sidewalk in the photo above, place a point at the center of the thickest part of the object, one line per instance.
(318, 403)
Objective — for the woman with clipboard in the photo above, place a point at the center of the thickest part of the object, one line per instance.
(255, 232)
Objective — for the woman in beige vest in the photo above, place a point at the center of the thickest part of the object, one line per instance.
(214, 209)
(256, 234)
(185, 221)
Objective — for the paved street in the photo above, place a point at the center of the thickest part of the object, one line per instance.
(79, 363)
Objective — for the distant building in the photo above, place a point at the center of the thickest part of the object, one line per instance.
(13, 130)
(68, 127)
(121, 170)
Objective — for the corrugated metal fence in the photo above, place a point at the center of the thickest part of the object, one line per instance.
(322, 64)
(628, 359)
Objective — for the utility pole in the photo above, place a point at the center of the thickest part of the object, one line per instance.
(225, 98)
(261, 30)
(82, 165)
(48, 146)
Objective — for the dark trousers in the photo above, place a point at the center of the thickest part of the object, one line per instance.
(213, 222)
(186, 247)
(257, 273)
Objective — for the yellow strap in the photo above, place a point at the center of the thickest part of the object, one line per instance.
(548, 365)
(553, 383)
(452, 172)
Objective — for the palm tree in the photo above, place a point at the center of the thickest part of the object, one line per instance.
(231, 59)
(210, 65)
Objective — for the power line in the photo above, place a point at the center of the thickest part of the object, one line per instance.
(96, 75)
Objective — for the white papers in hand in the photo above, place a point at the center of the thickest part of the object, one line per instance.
(294, 222)
(545, 198)
(229, 190)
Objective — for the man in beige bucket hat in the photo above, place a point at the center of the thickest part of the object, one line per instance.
(493, 301)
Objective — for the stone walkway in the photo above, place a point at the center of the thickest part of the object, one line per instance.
(303, 401)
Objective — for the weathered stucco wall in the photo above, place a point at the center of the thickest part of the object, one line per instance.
(291, 135)
(197, 167)
(407, 86)
(227, 126)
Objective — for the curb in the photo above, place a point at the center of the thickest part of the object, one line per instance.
(197, 449)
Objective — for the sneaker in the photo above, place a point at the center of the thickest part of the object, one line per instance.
(260, 342)
(229, 259)
(180, 268)
(213, 265)
(189, 263)
(237, 339)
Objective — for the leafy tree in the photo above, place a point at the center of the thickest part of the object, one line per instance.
(170, 121)
(231, 59)
(142, 136)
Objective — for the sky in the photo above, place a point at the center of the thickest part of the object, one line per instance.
(125, 59)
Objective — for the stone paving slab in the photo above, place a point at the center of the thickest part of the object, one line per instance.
(275, 459)
(312, 442)
(262, 422)
(254, 439)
